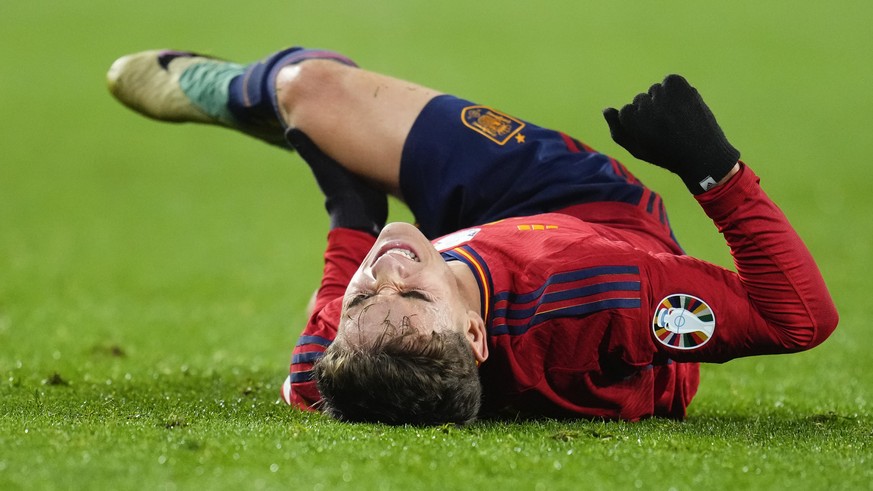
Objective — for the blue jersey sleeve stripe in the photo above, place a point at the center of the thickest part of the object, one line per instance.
(310, 357)
(314, 340)
(588, 308)
(509, 312)
(650, 205)
(300, 377)
(566, 277)
(572, 311)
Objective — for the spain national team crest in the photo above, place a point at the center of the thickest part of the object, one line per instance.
(494, 125)
(683, 321)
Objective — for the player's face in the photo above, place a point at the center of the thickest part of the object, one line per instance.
(402, 281)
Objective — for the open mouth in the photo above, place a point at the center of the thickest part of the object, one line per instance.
(398, 249)
(403, 252)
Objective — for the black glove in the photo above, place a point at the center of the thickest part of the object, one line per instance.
(671, 127)
(350, 202)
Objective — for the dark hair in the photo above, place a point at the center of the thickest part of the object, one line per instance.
(403, 377)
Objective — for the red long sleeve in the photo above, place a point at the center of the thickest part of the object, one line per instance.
(776, 302)
(777, 271)
(346, 249)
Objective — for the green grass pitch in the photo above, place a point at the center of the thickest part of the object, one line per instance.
(153, 277)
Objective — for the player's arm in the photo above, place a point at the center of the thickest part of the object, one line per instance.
(357, 213)
(346, 249)
(777, 300)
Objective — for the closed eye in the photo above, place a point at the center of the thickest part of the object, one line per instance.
(413, 294)
(357, 300)
(416, 295)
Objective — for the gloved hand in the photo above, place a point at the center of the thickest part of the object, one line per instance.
(671, 127)
(350, 202)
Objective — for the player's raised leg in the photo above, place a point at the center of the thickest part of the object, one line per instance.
(359, 118)
(181, 86)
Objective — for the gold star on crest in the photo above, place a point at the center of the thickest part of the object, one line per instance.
(519, 138)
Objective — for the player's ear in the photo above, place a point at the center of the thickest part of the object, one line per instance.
(477, 336)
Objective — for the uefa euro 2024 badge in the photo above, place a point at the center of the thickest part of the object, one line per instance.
(683, 322)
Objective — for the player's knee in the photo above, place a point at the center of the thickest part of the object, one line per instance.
(305, 88)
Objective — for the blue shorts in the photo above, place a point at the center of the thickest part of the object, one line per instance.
(465, 164)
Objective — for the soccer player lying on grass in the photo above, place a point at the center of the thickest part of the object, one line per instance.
(543, 278)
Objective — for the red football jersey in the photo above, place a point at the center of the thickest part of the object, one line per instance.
(592, 312)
